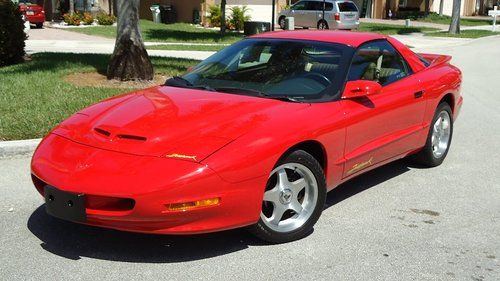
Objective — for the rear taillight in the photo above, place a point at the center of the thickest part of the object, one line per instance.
(336, 16)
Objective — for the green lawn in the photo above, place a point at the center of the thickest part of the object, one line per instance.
(389, 29)
(435, 18)
(34, 97)
(475, 33)
(159, 32)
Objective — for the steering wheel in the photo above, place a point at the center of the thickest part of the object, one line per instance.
(320, 78)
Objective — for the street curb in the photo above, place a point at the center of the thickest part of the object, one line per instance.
(18, 147)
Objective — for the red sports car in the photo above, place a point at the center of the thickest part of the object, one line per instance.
(34, 13)
(254, 136)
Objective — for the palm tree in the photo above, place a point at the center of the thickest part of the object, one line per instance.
(455, 17)
(222, 16)
(130, 59)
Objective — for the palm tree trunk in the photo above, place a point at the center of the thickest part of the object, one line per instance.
(71, 7)
(441, 4)
(455, 18)
(130, 59)
(223, 16)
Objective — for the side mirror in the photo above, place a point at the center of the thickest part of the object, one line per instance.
(361, 88)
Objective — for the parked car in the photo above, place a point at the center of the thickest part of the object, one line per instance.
(34, 13)
(254, 135)
(309, 13)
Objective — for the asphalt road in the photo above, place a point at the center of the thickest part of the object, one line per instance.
(398, 222)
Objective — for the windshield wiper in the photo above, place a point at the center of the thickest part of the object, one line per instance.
(282, 98)
(177, 81)
(255, 93)
(240, 91)
(181, 82)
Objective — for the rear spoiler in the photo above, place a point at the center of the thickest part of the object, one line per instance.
(435, 59)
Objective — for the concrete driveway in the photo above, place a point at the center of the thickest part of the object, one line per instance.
(398, 222)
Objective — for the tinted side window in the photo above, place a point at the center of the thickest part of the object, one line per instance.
(347, 7)
(312, 5)
(299, 6)
(378, 61)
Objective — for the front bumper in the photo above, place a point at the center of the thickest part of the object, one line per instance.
(151, 182)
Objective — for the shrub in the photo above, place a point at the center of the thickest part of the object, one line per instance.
(238, 17)
(87, 18)
(73, 19)
(12, 34)
(105, 19)
(214, 17)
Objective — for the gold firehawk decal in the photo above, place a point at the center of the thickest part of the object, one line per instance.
(360, 166)
(181, 156)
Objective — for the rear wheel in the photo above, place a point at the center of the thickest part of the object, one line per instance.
(293, 199)
(322, 24)
(281, 22)
(439, 138)
(39, 25)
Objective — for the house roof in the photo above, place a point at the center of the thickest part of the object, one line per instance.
(353, 39)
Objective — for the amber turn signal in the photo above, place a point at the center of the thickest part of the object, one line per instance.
(194, 204)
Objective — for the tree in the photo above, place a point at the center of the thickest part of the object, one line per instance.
(455, 17)
(71, 7)
(441, 5)
(130, 59)
(223, 16)
(12, 34)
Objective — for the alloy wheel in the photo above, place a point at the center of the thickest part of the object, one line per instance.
(290, 197)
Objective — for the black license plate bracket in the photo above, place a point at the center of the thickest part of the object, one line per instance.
(65, 205)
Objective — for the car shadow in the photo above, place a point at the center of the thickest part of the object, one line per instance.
(73, 241)
(368, 180)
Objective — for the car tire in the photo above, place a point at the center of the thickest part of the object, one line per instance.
(322, 25)
(439, 138)
(293, 200)
(39, 25)
(281, 22)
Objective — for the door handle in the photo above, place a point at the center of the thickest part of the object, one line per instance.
(419, 94)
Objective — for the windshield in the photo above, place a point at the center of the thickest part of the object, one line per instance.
(274, 68)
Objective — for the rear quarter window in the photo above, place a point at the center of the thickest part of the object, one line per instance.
(347, 7)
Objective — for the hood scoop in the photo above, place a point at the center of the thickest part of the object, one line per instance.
(107, 134)
(132, 137)
(102, 132)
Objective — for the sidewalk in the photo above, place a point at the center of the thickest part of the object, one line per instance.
(102, 47)
(57, 40)
(402, 22)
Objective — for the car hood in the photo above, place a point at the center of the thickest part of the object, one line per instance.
(171, 122)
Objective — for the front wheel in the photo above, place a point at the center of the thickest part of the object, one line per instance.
(39, 25)
(322, 24)
(439, 138)
(293, 199)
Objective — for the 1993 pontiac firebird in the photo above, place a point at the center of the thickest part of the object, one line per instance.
(253, 136)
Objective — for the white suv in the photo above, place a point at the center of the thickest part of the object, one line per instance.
(309, 13)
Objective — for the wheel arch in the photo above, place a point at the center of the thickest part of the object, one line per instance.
(450, 100)
(313, 147)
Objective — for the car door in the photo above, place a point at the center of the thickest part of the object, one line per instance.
(311, 13)
(387, 124)
(298, 13)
